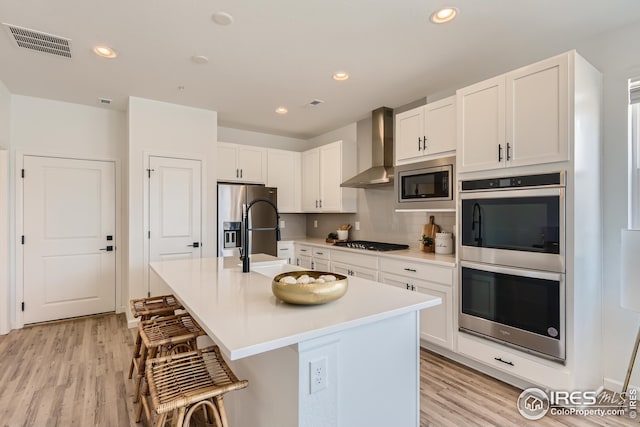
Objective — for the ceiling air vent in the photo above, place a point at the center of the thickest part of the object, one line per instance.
(313, 103)
(39, 41)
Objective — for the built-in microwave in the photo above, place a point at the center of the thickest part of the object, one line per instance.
(428, 185)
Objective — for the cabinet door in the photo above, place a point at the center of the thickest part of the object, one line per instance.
(286, 251)
(304, 262)
(331, 176)
(321, 265)
(353, 270)
(537, 113)
(252, 162)
(283, 172)
(436, 323)
(410, 128)
(481, 125)
(310, 180)
(440, 126)
(226, 162)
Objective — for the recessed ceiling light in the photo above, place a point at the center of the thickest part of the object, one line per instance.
(281, 110)
(444, 14)
(340, 76)
(105, 51)
(222, 18)
(200, 59)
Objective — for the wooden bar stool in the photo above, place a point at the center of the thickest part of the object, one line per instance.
(146, 309)
(162, 336)
(180, 384)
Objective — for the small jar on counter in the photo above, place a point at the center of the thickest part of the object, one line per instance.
(444, 243)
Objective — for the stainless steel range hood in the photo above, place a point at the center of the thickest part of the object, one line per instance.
(381, 171)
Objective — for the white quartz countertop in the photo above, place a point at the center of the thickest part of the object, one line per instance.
(241, 314)
(410, 254)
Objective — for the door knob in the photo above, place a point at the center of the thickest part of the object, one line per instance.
(195, 245)
(108, 249)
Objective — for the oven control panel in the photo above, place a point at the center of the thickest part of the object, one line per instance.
(549, 179)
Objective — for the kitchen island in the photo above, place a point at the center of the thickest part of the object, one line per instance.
(354, 361)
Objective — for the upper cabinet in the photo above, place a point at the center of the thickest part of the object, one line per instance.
(283, 172)
(428, 130)
(242, 163)
(516, 119)
(323, 170)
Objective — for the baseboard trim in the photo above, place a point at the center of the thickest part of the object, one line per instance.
(615, 385)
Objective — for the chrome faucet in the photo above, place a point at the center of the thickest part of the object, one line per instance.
(244, 253)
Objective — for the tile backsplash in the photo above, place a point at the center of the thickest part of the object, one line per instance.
(379, 221)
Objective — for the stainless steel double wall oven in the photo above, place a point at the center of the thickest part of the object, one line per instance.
(512, 260)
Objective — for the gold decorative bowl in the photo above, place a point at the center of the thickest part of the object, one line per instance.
(309, 293)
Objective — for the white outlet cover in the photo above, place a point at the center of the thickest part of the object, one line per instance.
(357, 225)
(318, 375)
(282, 224)
(315, 223)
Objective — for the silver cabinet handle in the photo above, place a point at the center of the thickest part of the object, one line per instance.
(240, 173)
(411, 270)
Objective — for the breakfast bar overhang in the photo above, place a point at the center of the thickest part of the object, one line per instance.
(351, 362)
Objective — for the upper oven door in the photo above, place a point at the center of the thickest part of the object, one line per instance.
(521, 228)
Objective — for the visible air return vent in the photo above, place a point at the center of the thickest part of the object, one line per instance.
(313, 103)
(39, 41)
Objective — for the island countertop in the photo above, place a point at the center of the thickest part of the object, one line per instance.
(240, 313)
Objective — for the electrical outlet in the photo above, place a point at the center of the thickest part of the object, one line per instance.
(317, 375)
(282, 223)
(315, 223)
(357, 225)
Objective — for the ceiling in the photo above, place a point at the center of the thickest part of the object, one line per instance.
(284, 52)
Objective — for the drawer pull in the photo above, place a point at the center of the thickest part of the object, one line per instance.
(319, 253)
(499, 359)
(411, 270)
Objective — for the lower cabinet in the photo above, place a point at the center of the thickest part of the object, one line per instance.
(304, 257)
(286, 251)
(436, 323)
(351, 264)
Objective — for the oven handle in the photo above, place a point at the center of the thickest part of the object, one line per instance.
(510, 194)
(535, 274)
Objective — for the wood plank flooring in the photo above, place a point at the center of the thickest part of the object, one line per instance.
(67, 373)
(74, 373)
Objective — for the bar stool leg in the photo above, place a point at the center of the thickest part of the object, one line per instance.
(136, 353)
(140, 373)
(221, 410)
(211, 415)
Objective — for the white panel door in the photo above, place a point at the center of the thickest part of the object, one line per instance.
(175, 211)
(331, 176)
(410, 129)
(481, 125)
(69, 215)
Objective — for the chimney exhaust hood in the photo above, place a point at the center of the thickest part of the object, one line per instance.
(381, 171)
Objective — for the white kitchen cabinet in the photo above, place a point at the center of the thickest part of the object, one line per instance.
(352, 264)
(241, 163)
(426, 131)
(313, 258)
(323, 170)
(304, 256)
(436, 323)
(283, 172)
(286, 250)
(515, 119)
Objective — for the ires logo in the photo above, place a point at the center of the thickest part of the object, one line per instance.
(572, 398)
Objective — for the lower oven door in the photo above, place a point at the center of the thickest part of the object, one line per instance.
(523, 308)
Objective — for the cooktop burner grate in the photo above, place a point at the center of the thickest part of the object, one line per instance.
(372, 246)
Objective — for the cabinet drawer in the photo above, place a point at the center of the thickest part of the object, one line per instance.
(350, 258)
(354, 270)
(430, 273)
(304, 250)
(544, 373)
(319, 253)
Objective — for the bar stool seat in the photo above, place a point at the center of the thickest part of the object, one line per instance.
(146, 309)
(162, 336)
(179, 384)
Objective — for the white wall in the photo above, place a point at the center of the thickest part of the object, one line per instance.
(5, 120)
(617, 56)
(246, 137)
(173, 130)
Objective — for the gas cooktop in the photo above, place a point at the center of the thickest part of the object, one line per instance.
(372, 246)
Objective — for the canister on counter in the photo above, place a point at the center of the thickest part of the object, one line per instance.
(444, 243)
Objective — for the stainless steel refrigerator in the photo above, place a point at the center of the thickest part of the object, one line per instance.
(231, 198)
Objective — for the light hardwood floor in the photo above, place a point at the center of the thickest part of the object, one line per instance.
(74, 373)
